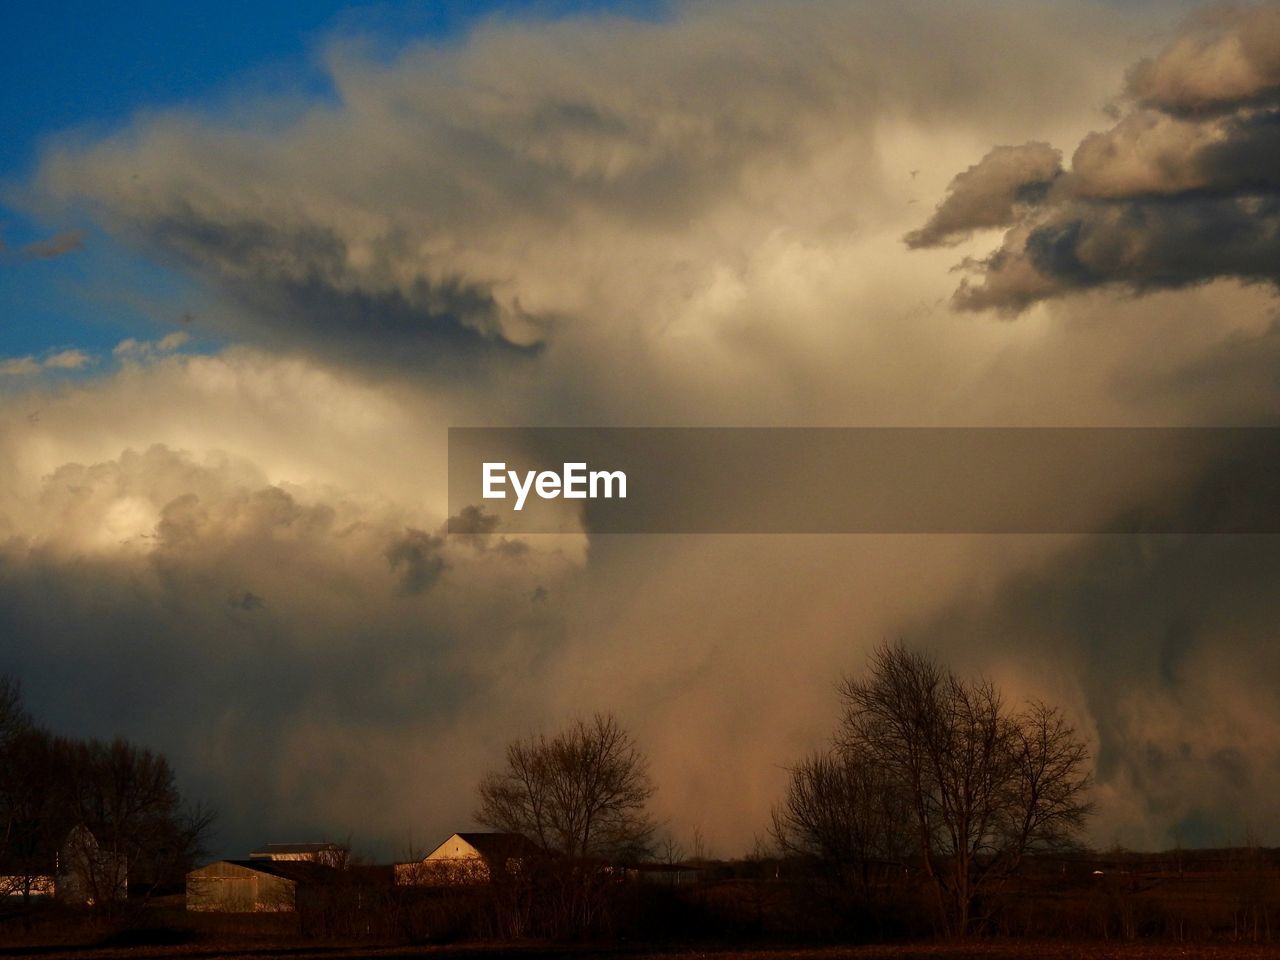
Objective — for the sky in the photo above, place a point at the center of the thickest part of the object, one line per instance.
(256, 262)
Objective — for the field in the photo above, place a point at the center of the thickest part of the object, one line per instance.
(982, 950)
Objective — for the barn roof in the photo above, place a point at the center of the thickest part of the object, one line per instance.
(498, 846)
(295, 870)
(273, 849)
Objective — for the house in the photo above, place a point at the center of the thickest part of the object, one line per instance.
(469, 858)
(79, 872)
(256, 885)
(329, 854)
(88, 873)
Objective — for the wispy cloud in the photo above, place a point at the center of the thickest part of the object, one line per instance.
(56, 246)
(133, 349)
(28, 365)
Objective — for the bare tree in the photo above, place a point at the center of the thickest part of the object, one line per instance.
(581, 793)
(13, 714)
(985, 784)
(581, 796)
(845, 811)
(126, 800)
(22, 798)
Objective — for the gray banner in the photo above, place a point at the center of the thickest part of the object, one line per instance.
(865, 480)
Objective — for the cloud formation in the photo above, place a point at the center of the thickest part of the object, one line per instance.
(475, 203)
(1182, 190)
(239, 558)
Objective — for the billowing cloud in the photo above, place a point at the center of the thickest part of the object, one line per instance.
(480, 201)
(1183, 189)
(1228, 55)
(234, 611)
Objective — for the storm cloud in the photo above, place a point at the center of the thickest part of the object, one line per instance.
(239, 557)
(1181, 190)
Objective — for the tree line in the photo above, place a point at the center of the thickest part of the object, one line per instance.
(932, 782)
(107, 811)
(933, 791)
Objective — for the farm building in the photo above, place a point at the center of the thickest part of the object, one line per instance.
(330, 854)
(469, 858)
(87, 873)
(79, 872)
(258, 885)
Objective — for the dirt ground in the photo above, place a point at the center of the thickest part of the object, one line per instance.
(984, 950)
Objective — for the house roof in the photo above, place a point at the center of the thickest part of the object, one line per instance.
(273, 849)
(298, 872)
(496, 846)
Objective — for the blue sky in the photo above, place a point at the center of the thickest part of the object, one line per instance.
(68, 67)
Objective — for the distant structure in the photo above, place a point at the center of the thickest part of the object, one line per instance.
(270, 881)
(466, 858)
(80, 872)
(664, 874)
(329, 854)
(87, 873)
(258, 885)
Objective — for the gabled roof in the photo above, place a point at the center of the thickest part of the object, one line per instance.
(494, 847)
(297, 871)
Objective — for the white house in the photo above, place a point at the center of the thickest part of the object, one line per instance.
(468, 858)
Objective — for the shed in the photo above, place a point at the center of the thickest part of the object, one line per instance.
(260, 885)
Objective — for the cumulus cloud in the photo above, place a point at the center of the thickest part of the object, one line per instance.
(1227, 55)
(232, 610)
(484, 200)
(1181, 190)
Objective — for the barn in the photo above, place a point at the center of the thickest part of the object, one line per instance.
(260, 885)
(330, 854)
(469, 858)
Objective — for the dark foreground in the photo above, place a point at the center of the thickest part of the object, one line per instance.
(978, 950)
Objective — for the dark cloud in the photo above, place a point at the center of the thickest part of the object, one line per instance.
(1182, 190)
(473, 521)
(246, 600)
(303, 279)
(1169, 639)
(417, 557)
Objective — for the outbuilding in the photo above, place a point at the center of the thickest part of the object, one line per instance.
(259, 885)
(469, 858)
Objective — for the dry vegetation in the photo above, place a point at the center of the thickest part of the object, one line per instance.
(980, 950)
